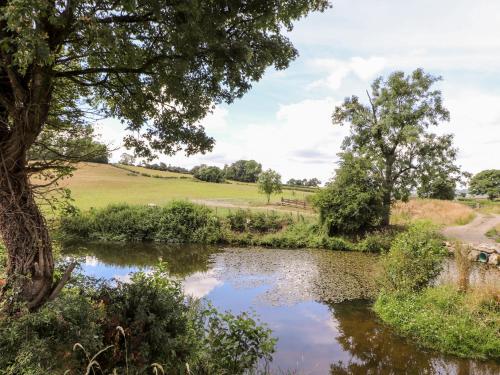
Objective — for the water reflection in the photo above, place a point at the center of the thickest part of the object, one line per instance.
(200, 284)
(374, 349)
(183, 260)
(296, 292)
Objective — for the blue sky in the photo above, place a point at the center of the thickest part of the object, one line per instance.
(284, 121)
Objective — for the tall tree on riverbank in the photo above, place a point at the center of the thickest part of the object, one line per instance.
(392, 132)
(158, 66)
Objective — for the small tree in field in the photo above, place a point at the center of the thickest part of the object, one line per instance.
(269, 183)
(392, 132)
(487, 183)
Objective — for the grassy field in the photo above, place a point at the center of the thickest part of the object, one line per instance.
(97, 185)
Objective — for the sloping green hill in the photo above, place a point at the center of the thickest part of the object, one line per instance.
(97, 185)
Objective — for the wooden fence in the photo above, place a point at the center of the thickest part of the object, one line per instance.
(293, 202)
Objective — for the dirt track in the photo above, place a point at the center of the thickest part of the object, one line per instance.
(474, 232)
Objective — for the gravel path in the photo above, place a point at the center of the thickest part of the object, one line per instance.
(474, 232)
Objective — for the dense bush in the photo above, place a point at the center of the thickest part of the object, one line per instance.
(185, 222)
(235, 343)
(414, 260)
(304, 235)
(178, 222)
(442, 318)
(438, 317)
(157, 325)
(378, 241)
(41, 342)
(261, 222)
(352, 202)
(208, 173)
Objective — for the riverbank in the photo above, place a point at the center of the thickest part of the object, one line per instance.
(185, 222)
(454, 318)
(442, 318)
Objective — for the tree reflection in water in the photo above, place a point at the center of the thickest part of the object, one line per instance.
(375, 349)
(182, 260)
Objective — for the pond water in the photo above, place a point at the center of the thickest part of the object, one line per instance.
(315, 302)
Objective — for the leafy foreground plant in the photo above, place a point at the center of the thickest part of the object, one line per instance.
(441, 317)
(159, 330)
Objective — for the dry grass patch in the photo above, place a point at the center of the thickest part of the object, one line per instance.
(439, 212)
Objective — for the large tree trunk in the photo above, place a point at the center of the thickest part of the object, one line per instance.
(387, 194)
(30, 264)
(386, 203)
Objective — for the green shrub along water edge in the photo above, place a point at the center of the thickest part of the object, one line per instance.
(414, 260)
(444, 319)
(440, 317)
(186, 222)
(147, 321)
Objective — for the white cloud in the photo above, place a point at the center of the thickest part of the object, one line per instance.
(302, 142)
(337, 70)
(389, 25)
(475, 121)
(217, 120)
(299, 142)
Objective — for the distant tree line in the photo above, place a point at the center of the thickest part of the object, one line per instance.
(313, 182)
(166, 168)
(241, 170)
